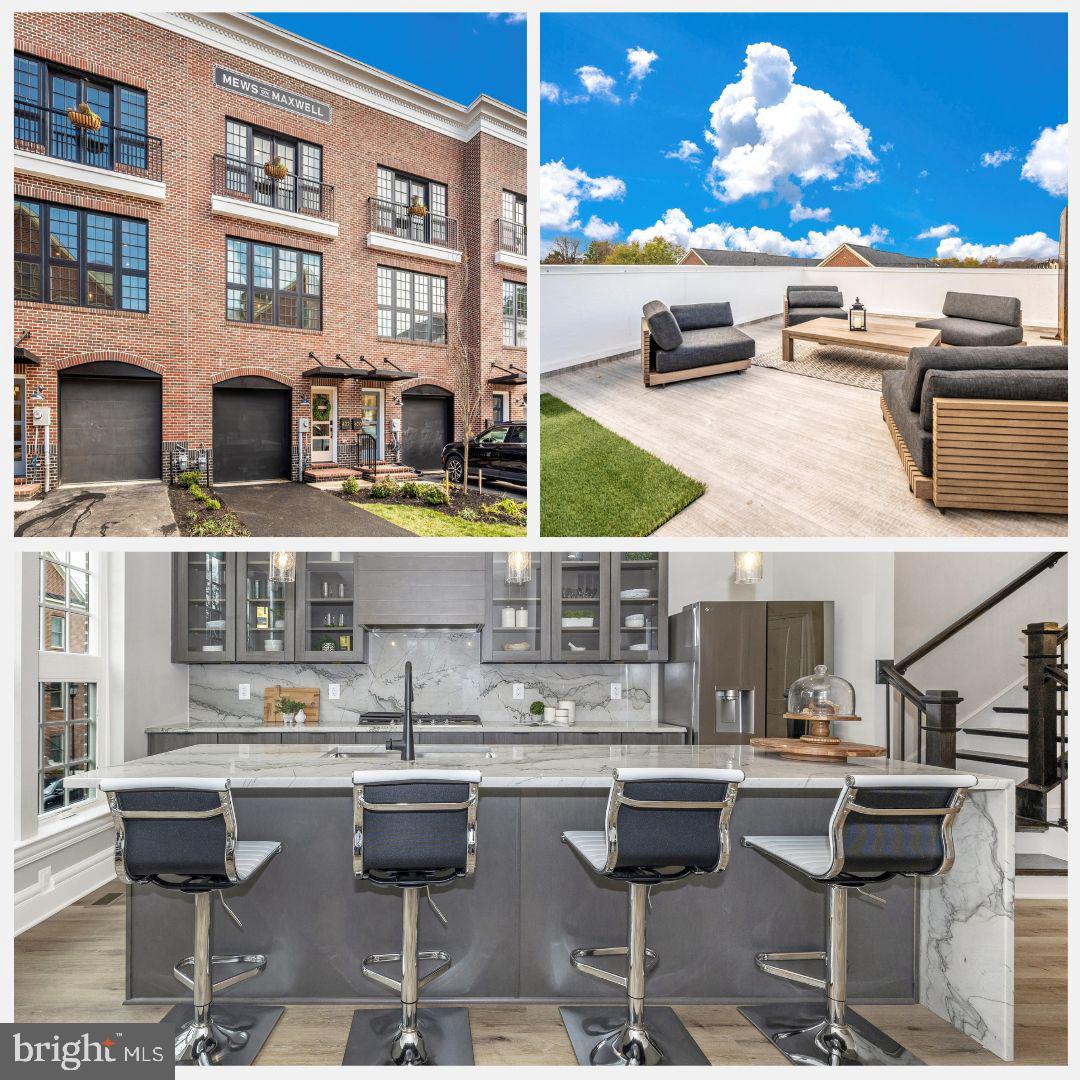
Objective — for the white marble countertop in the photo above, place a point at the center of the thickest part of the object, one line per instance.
(504, 767)
(226, 727)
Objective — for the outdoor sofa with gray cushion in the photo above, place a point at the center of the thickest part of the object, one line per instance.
(981, 426)
(805, 302)
(978, 319)
(689, 341)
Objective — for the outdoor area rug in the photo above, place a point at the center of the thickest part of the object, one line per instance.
(834, 363)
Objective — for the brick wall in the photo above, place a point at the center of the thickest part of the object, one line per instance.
(843, 257)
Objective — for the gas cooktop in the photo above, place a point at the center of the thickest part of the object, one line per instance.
(420, 719)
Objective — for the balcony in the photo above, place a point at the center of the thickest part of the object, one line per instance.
(431, 236)
(243, 190)
(49, 146)
(511, 244)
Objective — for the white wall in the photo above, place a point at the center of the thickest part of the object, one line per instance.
(699, 575)
(590, 312)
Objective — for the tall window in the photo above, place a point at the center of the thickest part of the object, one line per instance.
(64, 255)
(515, 314)
(272, 286)
(67, 719)
(249, 148)
(512, 223)
(64, 602)
(396, 192)
(411, 306)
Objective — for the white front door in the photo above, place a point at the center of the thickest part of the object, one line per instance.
(323, 423)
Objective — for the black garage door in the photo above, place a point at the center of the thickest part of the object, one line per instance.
(110, 423)
(427, 425)
(252, 421)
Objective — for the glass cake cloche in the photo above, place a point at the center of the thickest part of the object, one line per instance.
(822, 696)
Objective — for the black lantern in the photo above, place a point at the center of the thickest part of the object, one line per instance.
(857, 316)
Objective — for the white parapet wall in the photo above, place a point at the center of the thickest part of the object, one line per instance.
(591, 312)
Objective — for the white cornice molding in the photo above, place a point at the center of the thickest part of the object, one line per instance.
(278, 50)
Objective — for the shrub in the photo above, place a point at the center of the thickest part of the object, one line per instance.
(467, 514)
(506, 508)
(197, 492)
(384, 489)
(413, 489)
(350, 486)
(186, 479)
(434, 496)
(212, 504)
(226, 525)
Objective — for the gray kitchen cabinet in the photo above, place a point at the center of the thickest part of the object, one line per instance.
(301, 737)
(412, 589)
(516, 623)
(426, 735)
(589, 738)
(525, 737)
(265, 616)
(653, 738)
(160, 742)
(204, 607)
(639, 602)
(327, 616)
(249, 738)
(580, 607)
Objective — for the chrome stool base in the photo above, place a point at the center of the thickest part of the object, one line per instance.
(233, 1034)
(445, 1036)
(800, 1032)
(600, 1035)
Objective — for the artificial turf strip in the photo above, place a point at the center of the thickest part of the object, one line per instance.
(596, 483)
(424, 521)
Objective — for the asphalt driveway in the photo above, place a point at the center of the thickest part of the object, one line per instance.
(301, 510)
(517, 492)
(107, 510)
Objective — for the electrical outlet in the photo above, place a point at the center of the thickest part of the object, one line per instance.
(616, 691)
(333, 691)
(519, 691)
(245, 691)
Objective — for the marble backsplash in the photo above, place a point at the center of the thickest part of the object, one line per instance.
(447, 678)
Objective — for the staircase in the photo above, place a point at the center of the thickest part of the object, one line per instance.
(1025, 740)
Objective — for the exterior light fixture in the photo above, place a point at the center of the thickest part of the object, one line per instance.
(857, 316)
(749, 567)
(283, 566)
(518, 568)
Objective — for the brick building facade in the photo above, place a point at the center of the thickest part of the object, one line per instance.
(253, 254)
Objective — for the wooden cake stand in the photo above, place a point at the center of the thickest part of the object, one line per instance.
(819, 743)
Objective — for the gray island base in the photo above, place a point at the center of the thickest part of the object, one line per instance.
(946, 942)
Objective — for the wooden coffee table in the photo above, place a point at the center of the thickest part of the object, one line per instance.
(880, 335)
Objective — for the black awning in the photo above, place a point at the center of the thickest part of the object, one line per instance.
(516, 379)
(25, 356)
(378, 375)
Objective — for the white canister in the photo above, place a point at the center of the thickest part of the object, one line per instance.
(549, 714)
(522, 616)
(508, 616)
(562, 717)
(570, 708)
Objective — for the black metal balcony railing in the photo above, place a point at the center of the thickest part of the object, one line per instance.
(239, 179)
(394, 219)
(40, 130)
(511, 236)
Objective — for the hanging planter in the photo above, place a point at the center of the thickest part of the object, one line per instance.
(82, 116)
(276, 169)
(417, 208)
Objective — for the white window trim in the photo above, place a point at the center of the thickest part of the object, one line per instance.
(380, 392)
(332, 393)
(505, 395)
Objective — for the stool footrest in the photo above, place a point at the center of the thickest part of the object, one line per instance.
(395, 958)
(577, 955)
(764, 962)
(258, 960)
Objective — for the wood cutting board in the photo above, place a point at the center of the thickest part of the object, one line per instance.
(307, 695)
(804, 748)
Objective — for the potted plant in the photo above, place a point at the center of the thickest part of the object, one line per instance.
(417, 208)
(537, 710)
(83, 117)
(572, 617)
(292, 711)
(276, 168)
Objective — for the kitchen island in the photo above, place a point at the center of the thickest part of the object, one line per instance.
(946, 942)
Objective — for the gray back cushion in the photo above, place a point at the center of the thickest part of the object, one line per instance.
(829, 298)
(420, 840)
(978, 358)
(983, 307)
(991, 385)
(909, 844)
(702, 316)
(662, 325)
(185, 847)
(792, 289)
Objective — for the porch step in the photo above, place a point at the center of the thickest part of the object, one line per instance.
(996, 733)
(993, 759)
(27, 489)
(1041, 865)
(315, 473)
(387, 470)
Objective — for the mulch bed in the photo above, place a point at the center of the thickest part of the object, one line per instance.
(461, 500)
(221, 522)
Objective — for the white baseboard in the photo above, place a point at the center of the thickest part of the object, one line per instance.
(54, 892)
(1038, 887)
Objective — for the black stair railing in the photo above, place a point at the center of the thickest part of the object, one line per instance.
(1047, 741)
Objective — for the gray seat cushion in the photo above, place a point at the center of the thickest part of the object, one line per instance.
(801, 315)
(700, 348)
(815, 298)
(662, 325)
(993, 385)
(253, 855)
(955, 331)
(1020, 358)
(702, 316)
(811, 855)
(982, 307)
(591, 847)
(919, 442)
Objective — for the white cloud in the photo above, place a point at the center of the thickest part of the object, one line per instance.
(938, 232)
(595, 229)
(687, 150)
(597, 82)
(1047, 162)
(640, 61)
(806, 213)
(677, 227)
(994, 159)
(770, 133)
(923, 174)
(860, 178)
(508, 16)
(886, 147)
(550, 91)
(563, 189)
(1036, 245)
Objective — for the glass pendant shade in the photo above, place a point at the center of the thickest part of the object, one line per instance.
(749, 567)
(518, 568)
(283, 566)
(822, 696)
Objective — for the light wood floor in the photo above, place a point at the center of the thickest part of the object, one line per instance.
(781, 454)
(71, 967)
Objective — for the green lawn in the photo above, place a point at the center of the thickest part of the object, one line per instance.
(423, 521)
(595, 483)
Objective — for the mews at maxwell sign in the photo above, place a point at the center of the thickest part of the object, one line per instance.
(271, 95)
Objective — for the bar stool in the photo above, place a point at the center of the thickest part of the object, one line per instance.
(661, 825)
(412, 828)
(881, 827)
(180, 835)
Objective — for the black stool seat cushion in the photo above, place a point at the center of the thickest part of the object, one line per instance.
(416, 846)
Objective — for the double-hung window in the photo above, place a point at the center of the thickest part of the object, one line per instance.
(515, 314)
(512, 223)
(64, 602)
(248, 150)
(64, 255)
(272, 286)
(411, 306)
(398, 198)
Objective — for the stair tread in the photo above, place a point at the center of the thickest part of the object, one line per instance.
(1037, 863)
(996, 759)
(1000, 733)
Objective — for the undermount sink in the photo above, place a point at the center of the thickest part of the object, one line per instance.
(431, 750)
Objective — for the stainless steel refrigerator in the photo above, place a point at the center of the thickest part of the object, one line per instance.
(730, 663)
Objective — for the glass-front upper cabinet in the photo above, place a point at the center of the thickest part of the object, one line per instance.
(265, 621)
(204, 607)
(580, 607)
(639, 606)
(514, 631)
(327, 618)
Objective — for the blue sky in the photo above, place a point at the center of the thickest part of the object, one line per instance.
(928, 134)
(456, 55)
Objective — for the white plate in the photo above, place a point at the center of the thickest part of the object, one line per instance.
(213, 648)
(633, 594)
